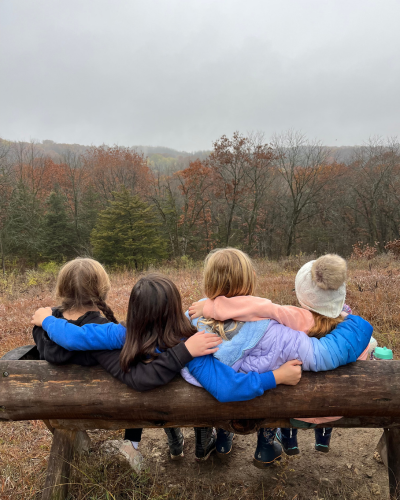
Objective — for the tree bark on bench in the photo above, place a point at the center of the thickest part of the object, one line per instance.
(37, 390)
(73, 398)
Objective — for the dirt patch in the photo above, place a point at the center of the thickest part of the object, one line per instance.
(347, 471)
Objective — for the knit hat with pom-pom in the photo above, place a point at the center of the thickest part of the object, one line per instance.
(320, 285)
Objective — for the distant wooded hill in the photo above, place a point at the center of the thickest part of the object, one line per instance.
(133, 205)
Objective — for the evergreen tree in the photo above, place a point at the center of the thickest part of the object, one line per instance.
(24, 225)
(127, 233)
(59, 237)
(90, 206)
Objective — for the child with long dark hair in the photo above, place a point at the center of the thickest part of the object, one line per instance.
(156, 325)
(82, 288)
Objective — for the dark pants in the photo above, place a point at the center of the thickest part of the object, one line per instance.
(133, 435)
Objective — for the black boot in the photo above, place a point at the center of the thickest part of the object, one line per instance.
(224, 443)
(268, 450)
(206, 438)
(288, 439)
(323, 439)
(175, 442)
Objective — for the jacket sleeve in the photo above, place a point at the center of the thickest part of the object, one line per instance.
(39, 336)
(249, 308)
(340, 347)
(54, 353)
(227, 385)
(146, 376)
(88, 337)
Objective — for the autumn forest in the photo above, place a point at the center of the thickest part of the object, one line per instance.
(128, 207)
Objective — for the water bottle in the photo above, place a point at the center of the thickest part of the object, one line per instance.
(382, 353)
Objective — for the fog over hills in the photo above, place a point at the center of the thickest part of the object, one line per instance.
(156, 153)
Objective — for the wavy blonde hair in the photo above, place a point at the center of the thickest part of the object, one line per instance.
(228, 272)
(83, 283)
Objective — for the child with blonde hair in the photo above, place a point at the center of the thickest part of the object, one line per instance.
(254, 343)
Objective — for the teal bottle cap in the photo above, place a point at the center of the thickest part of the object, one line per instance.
(383, 353)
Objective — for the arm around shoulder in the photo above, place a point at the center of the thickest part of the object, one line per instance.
(88, 337)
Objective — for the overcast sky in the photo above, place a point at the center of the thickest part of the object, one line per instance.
(181, 73)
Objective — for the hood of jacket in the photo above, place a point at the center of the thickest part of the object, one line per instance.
(88, 317)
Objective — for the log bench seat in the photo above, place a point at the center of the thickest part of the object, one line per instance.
(71, 399)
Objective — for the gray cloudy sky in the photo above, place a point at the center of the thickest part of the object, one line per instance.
(181, 73)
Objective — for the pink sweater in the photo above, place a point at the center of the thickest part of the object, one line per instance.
(249, 308)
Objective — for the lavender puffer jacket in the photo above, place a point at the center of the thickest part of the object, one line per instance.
(265, 345)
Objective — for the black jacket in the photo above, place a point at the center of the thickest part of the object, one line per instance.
(141, 377)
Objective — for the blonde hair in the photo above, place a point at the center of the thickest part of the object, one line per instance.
(83, 283)
(228, 272)
(323, 325)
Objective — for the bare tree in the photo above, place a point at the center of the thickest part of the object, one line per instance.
(300, 163)
(375, 170)
(6, 186)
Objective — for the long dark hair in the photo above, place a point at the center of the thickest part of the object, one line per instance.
(155, 319)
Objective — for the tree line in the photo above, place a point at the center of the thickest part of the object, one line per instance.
(270, 199)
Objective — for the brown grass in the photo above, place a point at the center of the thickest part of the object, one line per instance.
(373, 292)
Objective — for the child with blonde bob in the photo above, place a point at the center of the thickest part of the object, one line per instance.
(254, 343)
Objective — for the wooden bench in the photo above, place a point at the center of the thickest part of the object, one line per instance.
(71, 399)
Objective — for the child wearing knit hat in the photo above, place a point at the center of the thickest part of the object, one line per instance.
(321, 291)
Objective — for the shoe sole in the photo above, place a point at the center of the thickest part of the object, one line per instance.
(206, 457)
(265, 465)
(290, 451)
(178, 457)
(322, 449)
(222, 455)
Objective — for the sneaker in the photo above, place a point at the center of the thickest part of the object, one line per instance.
(323, 439)
(288, 440)
(268, 451)
(206, 438)
(134, 457)
(224, 443)
(175, 443)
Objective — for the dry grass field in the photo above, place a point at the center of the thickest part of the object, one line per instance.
(347, 472)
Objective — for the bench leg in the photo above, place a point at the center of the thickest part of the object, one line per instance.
(393, 455)
(65, 443)
(49, 426)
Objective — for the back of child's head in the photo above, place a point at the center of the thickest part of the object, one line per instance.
(321, 288)
(228, 272)
(83, 283)
(155, 319)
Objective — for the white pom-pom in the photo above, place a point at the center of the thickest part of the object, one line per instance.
(329, 272)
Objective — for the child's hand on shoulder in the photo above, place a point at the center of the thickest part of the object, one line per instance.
(196, 309)
(201, 344)
(40, 315)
